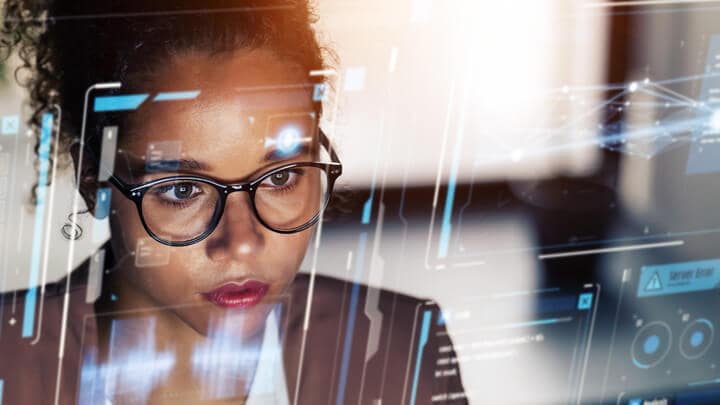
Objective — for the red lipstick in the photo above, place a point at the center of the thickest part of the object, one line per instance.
(238, 295)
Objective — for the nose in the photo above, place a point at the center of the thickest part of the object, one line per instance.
(239, 235)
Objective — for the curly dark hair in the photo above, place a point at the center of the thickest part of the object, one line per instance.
(67, 45)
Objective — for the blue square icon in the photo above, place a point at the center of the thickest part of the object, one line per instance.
(10, 125)
(585, 301)
(635, 401)
(320, 92)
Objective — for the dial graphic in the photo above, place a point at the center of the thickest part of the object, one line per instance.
(696, 339)
(651, 344)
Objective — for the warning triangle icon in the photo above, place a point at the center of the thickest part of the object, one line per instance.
(654, 284)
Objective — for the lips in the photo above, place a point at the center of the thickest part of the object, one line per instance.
(238, 295)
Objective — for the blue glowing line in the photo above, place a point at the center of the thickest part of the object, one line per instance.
(176, 95)
(452, 183)
(1, 391)
(350, 326)
(367, 209)
(424, 332)
(446, 225)
(705, 382)
(447, 210)
(539, 322)
(44, 164)
(119, 103)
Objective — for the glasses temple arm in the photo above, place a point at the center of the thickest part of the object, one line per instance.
(121, 185)
(325, 141)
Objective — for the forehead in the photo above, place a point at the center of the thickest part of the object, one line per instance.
(229, 106)
(227, 70)
(224, 88)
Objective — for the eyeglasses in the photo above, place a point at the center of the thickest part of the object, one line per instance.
(184, 210)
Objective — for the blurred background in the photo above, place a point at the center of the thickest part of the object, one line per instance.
(504, 159)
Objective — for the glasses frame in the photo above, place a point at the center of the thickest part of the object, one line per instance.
(136, 193)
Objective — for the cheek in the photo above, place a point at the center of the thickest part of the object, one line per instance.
(286, 252)
(146, 264)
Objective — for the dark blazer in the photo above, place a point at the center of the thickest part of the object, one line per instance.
(339, 338)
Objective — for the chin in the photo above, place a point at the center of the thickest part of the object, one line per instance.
(228, 322)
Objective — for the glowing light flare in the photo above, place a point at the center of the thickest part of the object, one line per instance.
(288, 140)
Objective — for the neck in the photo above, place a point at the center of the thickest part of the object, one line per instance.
(136, 321)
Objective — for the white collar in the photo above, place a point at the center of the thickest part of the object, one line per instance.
(269, 385)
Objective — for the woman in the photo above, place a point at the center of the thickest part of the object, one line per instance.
(209, 164)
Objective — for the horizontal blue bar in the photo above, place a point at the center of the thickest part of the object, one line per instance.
(177, 95)
(119, 103)
(538, 322)
(677, 278)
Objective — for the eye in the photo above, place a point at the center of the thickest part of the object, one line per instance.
(281, 179)
(183, 191)
(179, 191)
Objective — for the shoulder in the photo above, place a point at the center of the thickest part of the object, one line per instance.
(334, 301)
(330, 294)
(368, 343)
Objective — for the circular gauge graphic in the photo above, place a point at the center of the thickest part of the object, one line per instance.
(651, 344)
(696, 339)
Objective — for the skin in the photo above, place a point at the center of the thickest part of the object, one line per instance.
(216, 131)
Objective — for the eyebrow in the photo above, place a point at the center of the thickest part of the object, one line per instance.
(139, 168)
(180, 164)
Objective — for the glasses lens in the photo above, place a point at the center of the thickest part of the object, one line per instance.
(180, 210)
(293, 197)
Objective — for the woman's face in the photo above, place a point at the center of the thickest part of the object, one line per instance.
(225, 134)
